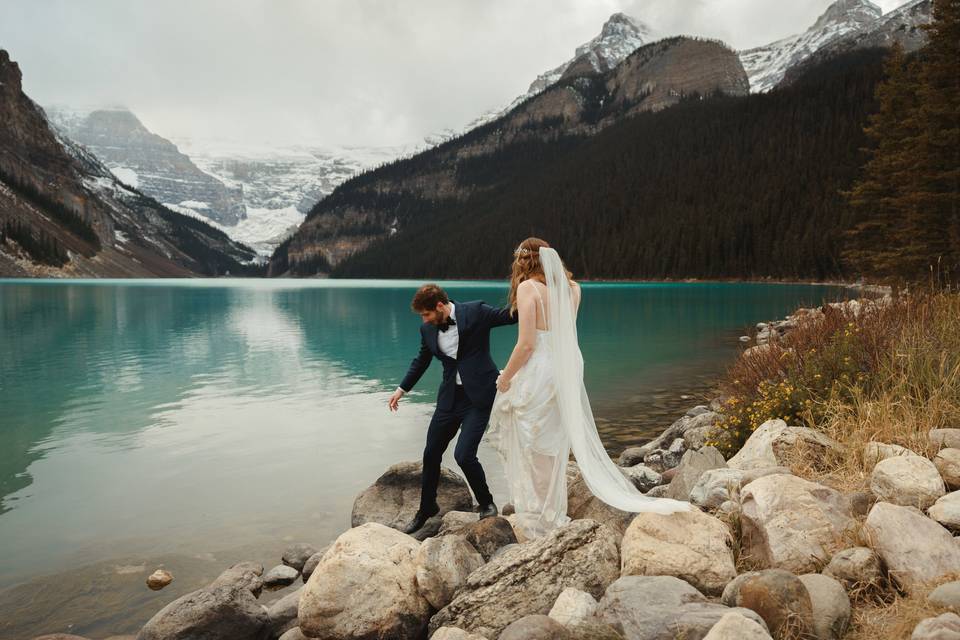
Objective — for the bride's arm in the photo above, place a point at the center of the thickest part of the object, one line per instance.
(526, 336)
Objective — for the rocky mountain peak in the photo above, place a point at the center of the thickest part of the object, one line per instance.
(10, 75)
(845, 12)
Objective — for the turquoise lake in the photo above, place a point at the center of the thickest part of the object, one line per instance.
(194, 423)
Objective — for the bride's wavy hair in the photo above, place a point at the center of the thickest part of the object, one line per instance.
(527, 265)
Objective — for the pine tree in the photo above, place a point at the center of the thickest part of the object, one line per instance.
(937, 153)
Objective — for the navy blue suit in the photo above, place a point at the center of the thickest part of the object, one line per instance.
(465, 407)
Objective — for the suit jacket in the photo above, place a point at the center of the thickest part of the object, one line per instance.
(477, 369)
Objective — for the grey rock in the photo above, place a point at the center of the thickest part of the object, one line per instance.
(227, 611)
(296, 555)
(856, 567)
(643, 477)
(243, 574)
(946, 511)
(528, 579)
(443, 565)
(535, 627)
(915, 549)
(395, 497)
(583, 505)
(944, 627)
(294, 634)
(831, 606)
(659, 492)
(378, 562)
(946, 596)
(453, 633)
(632, 456)
(311, 564)
(945, 438)
(692, 466)
(698, 410)
(280, 576)
(909, 481)
(661, 608)
(282, 614)
(573, 607)
(454, 521)
(735, 626)
(947, 462)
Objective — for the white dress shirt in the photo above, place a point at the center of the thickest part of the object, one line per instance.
(449, 340)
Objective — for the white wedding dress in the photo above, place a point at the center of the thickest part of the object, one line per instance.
(546, 413)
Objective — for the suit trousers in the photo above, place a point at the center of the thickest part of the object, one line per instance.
(472, 422)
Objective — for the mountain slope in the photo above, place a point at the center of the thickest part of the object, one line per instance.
(384, 201)
(767, 65)
(63, 213)
(724, 187)
(148, 162)
(900, 25)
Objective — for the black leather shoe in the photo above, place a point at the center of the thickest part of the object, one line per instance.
(487, 511)
(420, 519)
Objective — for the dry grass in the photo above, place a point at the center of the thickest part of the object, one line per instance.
(893, 619)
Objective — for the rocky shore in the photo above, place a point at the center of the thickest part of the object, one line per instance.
(768, 552)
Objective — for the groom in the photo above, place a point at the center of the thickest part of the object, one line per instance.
(458, 335)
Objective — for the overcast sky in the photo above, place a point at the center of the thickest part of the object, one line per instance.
(348, 72)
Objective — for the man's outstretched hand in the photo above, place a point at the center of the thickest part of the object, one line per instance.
(394, 402)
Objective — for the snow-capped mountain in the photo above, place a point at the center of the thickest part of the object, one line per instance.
(280, 184)
(766, 65)
(620, 36)
(148, 162)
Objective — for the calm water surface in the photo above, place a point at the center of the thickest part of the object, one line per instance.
(194, 423)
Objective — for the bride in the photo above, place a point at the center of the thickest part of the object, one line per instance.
(541, 411)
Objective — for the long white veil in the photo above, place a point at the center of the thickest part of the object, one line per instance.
(602, 477)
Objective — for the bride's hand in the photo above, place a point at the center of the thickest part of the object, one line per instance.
(503, 385)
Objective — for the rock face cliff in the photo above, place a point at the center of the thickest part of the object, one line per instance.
(583, 102)
(63, 213)
(148, 162)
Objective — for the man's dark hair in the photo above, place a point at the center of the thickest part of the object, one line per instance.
(427, 297)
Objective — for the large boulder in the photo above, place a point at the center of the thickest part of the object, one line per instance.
(583, 505)
(365, 587)
(777, 596)
(693, 465)
(946, 511)
(453, 633)
(221, 611)
(947, 462)
(790, 523)
(856, 568)
(946, 626)
(736, 626)
(831, 606)
(661, 608)
(527, 579)
(915, 549)
(690, 545)
(716, 486)
(443, 565)
(394, 498)
(909, 481)
(773, 441)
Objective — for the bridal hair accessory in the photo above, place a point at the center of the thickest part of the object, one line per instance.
(522, 251)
